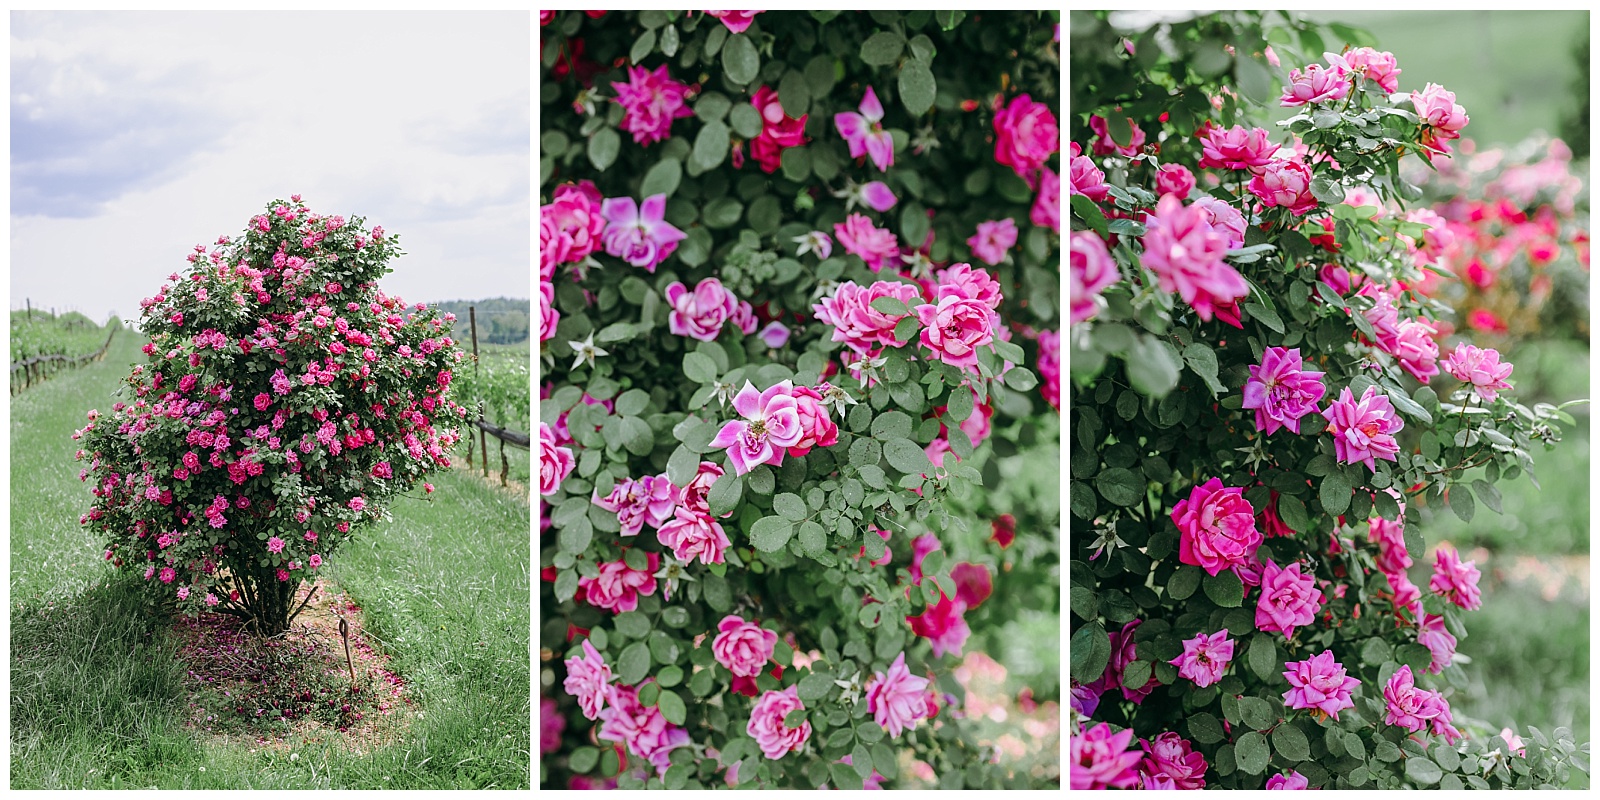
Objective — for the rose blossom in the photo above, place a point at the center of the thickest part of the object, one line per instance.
(1174, 179)
(650, 100)
(779, 131)
(589, 680)
(993, 239)
(1380, 67)
(1438, 109)
(1286, 184)
(637, 233)
(1186, 253)
(1216, 527)
(943, 625)
(1025, 134)
(774, 335)
(570, 227)
(1092, 270)
(771, 423)
(1319, 683)
(1481, 368)
(1280, 391)
(1104, 144)
(1416, 350)
(1364, 430)
(1314, 84)
(1513, 741)
(1123, 653)
(1084, 178)
(1432, 635)
(864, 132)
(1236, 148)
(1290, 780)
(1415, 709)
(699, 314)
(817, 428)
(1169, 756)
(955, 328)
(961, 280)
(1453, 579)
(766, 723)
(1205, 657)
(693, 496)
(743, 647)
(555, 463)
(648, 500)
(1391, 538)
(1225, 219)
(858, 236)
(1288, 599)
(897, 699)
(642, 729)
(1046, 211)
(1050, 368)
(856, 323)
(618, 586)
(548, 318)
(1101, 759)
(737, 21)
(693, 535)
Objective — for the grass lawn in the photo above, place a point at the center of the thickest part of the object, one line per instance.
(97, 699)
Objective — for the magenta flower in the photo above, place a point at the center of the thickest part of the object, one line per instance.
(962, 280)
(1383, 316)
(1092, 270)
(1046, 211)
(1380, 67)
(1415, 709)
(638, 234)
(864, 132)
(1288, 599)
(954, 329)
(1216, 527)
(1453, 579)
(1391, 538)
(944, 625)
(1319, 683)
(737, 21)
(1363, 430)
(555, 463)
(699, 314)
(993, 239)
(570, 228)
(1481, 368)
(1186, 253)
(897, 699)
(618, 586)
(1236, 148)
(1101, 759)
(1288, 780)
(1432, 635)
(1205, 657)
(1438, 109)
(877, 196)
(650, 101)
(1123, 653)
(589, 680)
(693, 496)
(1174, 179)
(1314, 84)
(817, 429)
(693, 535)
(743, 647)
(858, 236)
(1103, 144)
(1084, 178)
(1025, 134)
(779, 131)
(856, 323)
(642, 729)
(648, 500)
(1284, 184)
(1170, 756)
(1280, 392)
(1416, 350)
(766, 723)
(1225, 219)
(774, 335)
(771, 423)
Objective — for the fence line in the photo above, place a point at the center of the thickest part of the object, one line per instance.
(36, 369)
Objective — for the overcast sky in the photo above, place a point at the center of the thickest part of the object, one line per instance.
(135, 136)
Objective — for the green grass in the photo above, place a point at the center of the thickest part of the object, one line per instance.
(97, 697)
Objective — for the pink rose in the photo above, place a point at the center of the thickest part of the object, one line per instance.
(1092, 270)
(778, 132)
(856, 323)
(650, 101)
(1186, 253)
(1225, 219)
(962, 280)
(737, 21)
(570, 227)
(897, 699)
(1046, 211)
(1104, 144)
(1101, 759)
(642, 729)
(920, 548)
(954, 329)
(1286, 184)
(1236, 148)
(549, 317)
(693, 496)
(1288, 599)
(771, 424)
(817, 428)
(1481, 369)
(864, 132)
(1415, 709)
(1280, 391)
(1416, 350)
(1122, 654)
(1205, 658)
(1216, 527)
(1290, 781)
(973, 582)
(638, 234)
(858, 236)
(943, 625)
(1453, 579)
(555, 463)
(1438, 109)
(744, 318)
(1337, 278)
(1391, 539)
(1050, 367)
(693, 535)
(618, 586)
(1381, 68)
(1174, 179)
(1169, 756)
(1085, 178)
(1319, 683)
(743, 647)
(774, 335)
(993, 239)
(1441, 645)
(766, 723)
(648, 500)
(589, 680)
(1363, 430)
(1314, 84)
(699, 314)
(1025, 134)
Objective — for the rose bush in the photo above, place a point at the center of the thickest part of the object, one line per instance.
(286, 400)
(771, 394)
(1264, 401)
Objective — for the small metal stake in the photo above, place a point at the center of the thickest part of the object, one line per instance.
(344, 633)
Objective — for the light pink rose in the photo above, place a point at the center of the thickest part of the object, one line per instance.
(1025, 134)
(693, 535)
(1391, 539)
(618, 586)
(1480, 368)
(858, 236)
(555, 463)
(1205, 658)
(774, 335)
(743, 647)
(737, 21)
(864, 132)
(650, 100)
(1441, 645)
(638, 234)
(770, 424)
(1286, 184)
(1085, 178)
(1216, 527)
(1380, 67)
(1415, 348)
(1236, 148)
(877, 196)
(589, 680)
(646, 501)
(699, 314)
(897, 699)
(1288, 599)
(993, 239)
(954, 329)
(1438, 109)
(963, 280)
(1315, 84)
(856, 323)
(1046, 211)
(1170, 756)
(1224, 219)
(766, 723)
(1319, 683)
(1186, 254)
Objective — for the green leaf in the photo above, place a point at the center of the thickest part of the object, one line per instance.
(948, 20)
(1136, 674)
(1417, 656)
(1409, 407)
(794, 94)
(770, 534)
(1203, 360)
(813, 539)
(1264, 658)
(603, 147)
(663, 178)
(819, 75)
(671, 675)
(1488, 494)
(1250, 753)
(1257, 713)
(905, 456)
(1290, 742)
(890, 305)
(566, 585)
(722, 212)
(1183, 582)
(1123, 487)
(1293, 512)
(917, 87)
(725, 493)
(1423, 771)
(1205, 728)
(740, 61)
(746, 120)
(1327, 190)
(1460, 499)
(583, 759)
(1265, 315)
(1335, 493)
(711, 145)
(1091, 651)
(882, 48)
(790, 506)
(816, 685)
(1224, 589)
(633, 624)
(575, 538)
(634, 663)
(1089, 212)
(642, 46)
(1324, 118)
(1153, 367)
(720, 599)
(1021, 379)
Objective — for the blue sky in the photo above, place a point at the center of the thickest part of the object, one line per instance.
(135, 136)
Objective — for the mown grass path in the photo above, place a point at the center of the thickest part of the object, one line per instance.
(96, 696)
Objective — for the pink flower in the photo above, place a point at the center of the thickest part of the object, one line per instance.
(864, 132)
(1046, 211)
(778, 131)
(1432, 635)
(877, 195)
(1236, 148)
(1363, 430)
(1050, 367)
(858, 236)
(1453, 579)
(1337, 278)
(693, 496)
(274, 545)
(1383, 316)
(817, 428)
(1092, 270)
(1481, 368)
(1174, 179)
(1438, 109)
(744, 318)
(555, 463)
(1319, 683)
(737, 21)
(1085, 178)
(648, 500)
(1280, 392)
(1391, 538)
(650, 101)
(1514, 742)
(993, 239)
(693, 535)
(1225, 219)
(1025, 134)
(1414, 709)
(962, 280)
(315, 561)
(774, 335)
(743, 647)
(920, 548)
(856, 323)
(642, 729)
(973, 582)
(771, 423)
(943, 625)
(1122, 654)
(549, 317)
(1290, 780)
(1286, 184)
(766, 723)
(1204, 658)
(1416, 350)
(1101, 759)
(1375, 66)
(570, 227)
(1104, 144)
(699, 314)
(1216, 527)
(638, 234)
(589, 680)
(1288, 599)
(1186, 253)
(1169, 756)
(954, 329)
(1316, 84)
(897, 699)
(618, 586)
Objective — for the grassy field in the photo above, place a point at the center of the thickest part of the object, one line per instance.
(97, 696)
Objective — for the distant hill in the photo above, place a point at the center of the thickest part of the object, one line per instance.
(501, 320)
